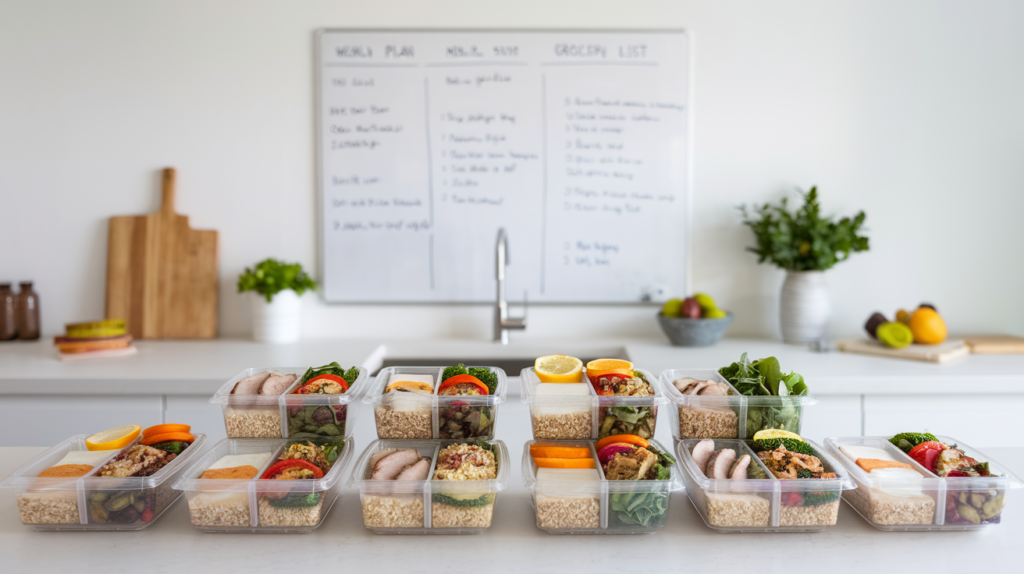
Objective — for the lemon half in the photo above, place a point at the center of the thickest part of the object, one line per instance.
(558, 369)
(775, 433)
(110, 439)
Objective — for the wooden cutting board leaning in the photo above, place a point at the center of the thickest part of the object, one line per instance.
(162, 274)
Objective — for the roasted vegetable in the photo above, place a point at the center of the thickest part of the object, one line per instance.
(791, 445)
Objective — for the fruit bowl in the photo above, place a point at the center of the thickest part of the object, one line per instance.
(686, 332)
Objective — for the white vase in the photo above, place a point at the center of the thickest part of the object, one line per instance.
(804, 308)
(279, 321)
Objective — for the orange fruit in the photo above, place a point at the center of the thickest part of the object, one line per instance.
(927, 326)
(604, 367)
(558, 369)
(112, 439)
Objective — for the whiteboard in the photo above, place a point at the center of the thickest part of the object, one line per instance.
(575, 142)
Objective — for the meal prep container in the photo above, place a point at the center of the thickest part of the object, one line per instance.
(596, 507)
(87, 502)
(403, 416)
(281, 416)
(882, 503)
(732, 416)
(763, 505)
(581, 417)
(413, 506)
(224, 505)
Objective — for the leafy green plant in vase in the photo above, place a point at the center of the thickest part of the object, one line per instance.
(805, 244)
(276, 306)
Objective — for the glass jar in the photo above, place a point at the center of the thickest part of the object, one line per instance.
(8, 313)
(28, 312)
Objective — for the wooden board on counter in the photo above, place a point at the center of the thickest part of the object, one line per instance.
(995, 344)
(930, 353)
(162, 274)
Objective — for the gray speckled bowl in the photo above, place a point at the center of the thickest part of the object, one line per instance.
(685, 332)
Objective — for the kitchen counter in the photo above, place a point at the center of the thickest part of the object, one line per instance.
(199, 367)
(976, 398)
(513, 543)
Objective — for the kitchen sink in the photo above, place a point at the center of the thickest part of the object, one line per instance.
(511, 365)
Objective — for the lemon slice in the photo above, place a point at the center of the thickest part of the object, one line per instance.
(775, 433)
(117, 437)
(558, 369)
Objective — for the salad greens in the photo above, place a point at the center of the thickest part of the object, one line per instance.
(628, 420)
(765, 377)
(334, 368)
(648, 509)
(485, 375)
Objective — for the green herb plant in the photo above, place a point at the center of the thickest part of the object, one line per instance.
(270, 276)
(803, 240)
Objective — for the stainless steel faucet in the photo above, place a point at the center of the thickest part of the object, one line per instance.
(502, 322)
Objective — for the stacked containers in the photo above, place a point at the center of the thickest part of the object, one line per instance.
(591, 416)
(256, 505)
(257, 423)
(428, 506)
(730, 416)
(600, 506)
(94, 502)
(933, 503)
(429, 425)
(760, 502)
(407, 416)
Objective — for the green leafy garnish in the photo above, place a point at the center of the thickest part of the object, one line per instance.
(450, 372)
(908, 440)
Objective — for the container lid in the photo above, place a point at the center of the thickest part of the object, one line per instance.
(27, 475)
(190, 480)
(356, 478)
(375, 392)
(767, 484)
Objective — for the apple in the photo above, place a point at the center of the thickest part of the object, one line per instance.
(690, 308)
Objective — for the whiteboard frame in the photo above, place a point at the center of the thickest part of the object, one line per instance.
(320, 164)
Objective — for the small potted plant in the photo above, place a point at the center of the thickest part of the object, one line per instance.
(276, 307)
(805, 244)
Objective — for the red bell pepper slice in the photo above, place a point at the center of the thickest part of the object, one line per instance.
(303, 390)
(292, 463)
(463, 380)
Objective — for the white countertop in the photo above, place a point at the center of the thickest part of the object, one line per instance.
(199, 367)
(513, 544)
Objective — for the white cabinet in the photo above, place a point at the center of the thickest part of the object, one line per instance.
(979, 420)
(47, 420)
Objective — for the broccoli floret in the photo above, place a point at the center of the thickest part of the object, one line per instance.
(803, 473)
(450, 372)
(908, 440)
(351, 375)
(486, 377)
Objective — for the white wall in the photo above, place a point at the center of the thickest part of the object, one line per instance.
(912, 111)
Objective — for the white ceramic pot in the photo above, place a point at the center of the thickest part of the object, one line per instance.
(805, 309)
(279, 321)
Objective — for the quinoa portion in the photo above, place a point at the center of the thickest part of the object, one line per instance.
(576, 425)
(49, 508)
(392, 424)
(568, 513)
(253, 423)
(445, 516)
(393, 511)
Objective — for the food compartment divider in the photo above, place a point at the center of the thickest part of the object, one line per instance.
(361, 473)
(698, 486)
(254, 494)
(230, 402)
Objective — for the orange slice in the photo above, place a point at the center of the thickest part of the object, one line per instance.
(111, 439)
(538, 451)
(558, 369)
(604, 367)
(165, 428)
(564, 462)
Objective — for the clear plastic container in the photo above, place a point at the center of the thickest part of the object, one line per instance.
(597, 507)
(934, 504)
(732, 416)
(764, 504)
(280, 416)
(421, 506)
(94, 502)
(408, 416)
(588, 417)
(247, 505)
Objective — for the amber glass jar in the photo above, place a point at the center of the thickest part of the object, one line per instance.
(28, 312)
(8, 313)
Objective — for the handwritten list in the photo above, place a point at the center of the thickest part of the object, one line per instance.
(575, 143)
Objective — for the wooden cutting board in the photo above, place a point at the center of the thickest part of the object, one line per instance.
(931, 353)
(162, 274)
(995, 344)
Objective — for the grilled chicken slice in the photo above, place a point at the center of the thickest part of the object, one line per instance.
(786, 464)
(417, 471)
(277, 384)
(630, 466)
(390, 466)
(251, 384)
